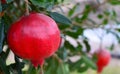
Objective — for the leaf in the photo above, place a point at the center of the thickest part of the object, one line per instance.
(85, 14)
(43, 3)
(71, 12)
(89, 62)
(60, 18)
(87, 45)
(72, 34)
(62, 53)
(79, 48)
(114, 13)
(62, 69)
(83, 68)
(7, 20)
(112, 47)
(63, 26)
(76, 65)
(114, 2)
(105, 21)
(69, 46)
(100, 16)
(1, 35)
(52, 66)
(75, 33)
(5, 54)
(80, 66)
(17, 66)
(3, 66)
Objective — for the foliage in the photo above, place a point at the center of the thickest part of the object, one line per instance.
(71, 24)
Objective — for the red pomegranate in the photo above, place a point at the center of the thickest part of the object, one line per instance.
(103, 59)
(34, 37)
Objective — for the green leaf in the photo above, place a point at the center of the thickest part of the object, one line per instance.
(72, 34)
(43, 3)
(52, 66)
(7, 20)
(5, 54)
(60, 18)
(62, 69)
(71, 12)
(89, 62)
(114, 2)
(1, 34)
(75, 33)
(85, 14)
(105, 21)
(69, 46)
(3, 66)
(76, 65)
(114, 13)
(62, 53)
(63, 26)
(80, 66)
(100, 16)
(107, 13)
(79, 48)
(83, 68)
(17, 66)
(87, 45)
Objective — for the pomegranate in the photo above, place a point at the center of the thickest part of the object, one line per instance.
(103, 59)
(34, 37)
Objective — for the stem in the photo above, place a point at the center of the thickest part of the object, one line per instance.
(41, 70)
(56, 57)
(27, 7)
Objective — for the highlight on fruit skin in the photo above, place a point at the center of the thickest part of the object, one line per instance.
(34, 37)
(103, 59)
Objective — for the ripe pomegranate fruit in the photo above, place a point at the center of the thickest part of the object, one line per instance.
(103, 58)
(3, 1)
(34, 37)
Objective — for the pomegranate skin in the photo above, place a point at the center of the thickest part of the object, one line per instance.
(34, 37)
(103, 59)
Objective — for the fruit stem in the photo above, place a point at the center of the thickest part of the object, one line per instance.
(27, 7)
(56, 57)
(41, 70)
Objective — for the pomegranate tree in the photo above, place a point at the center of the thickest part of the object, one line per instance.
(103, 59)
(34, 37)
